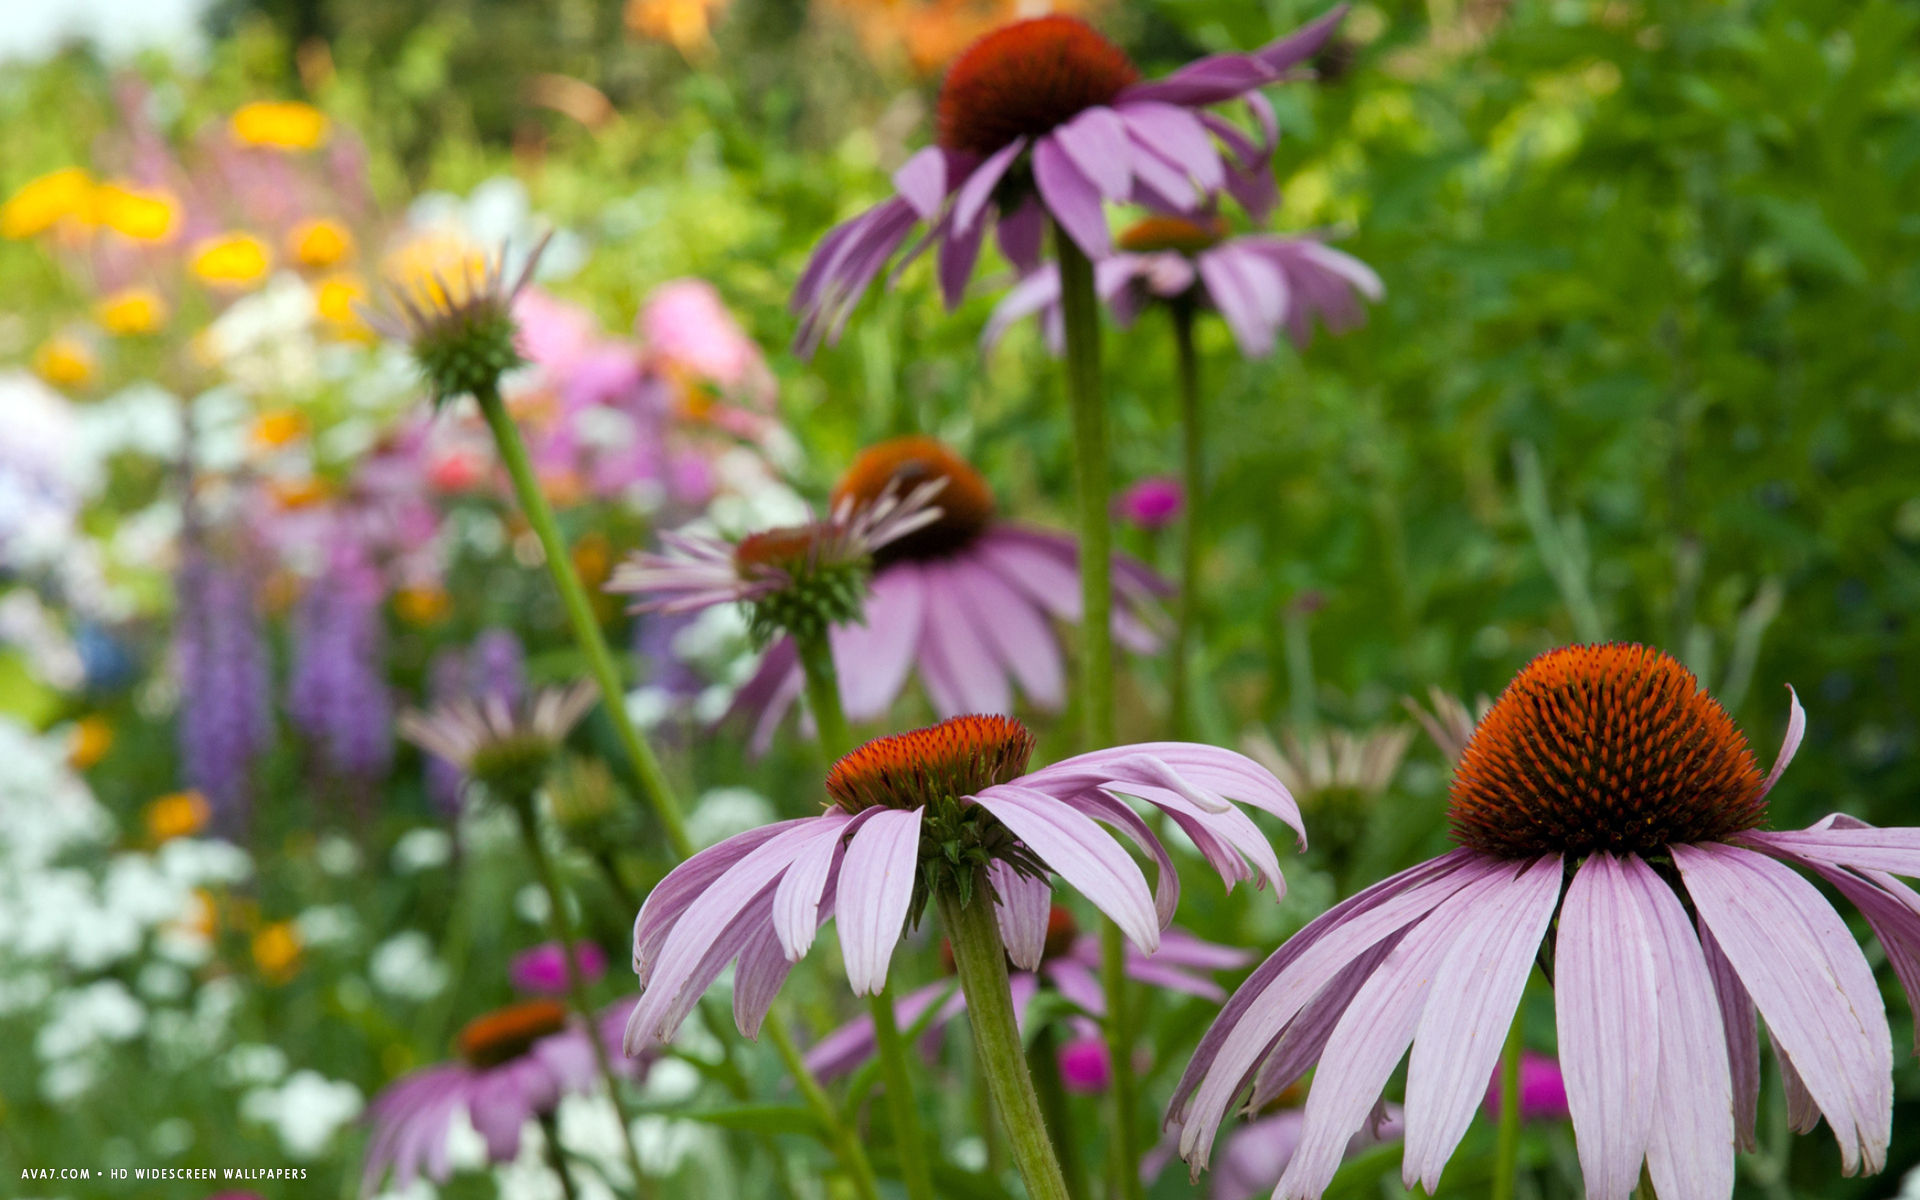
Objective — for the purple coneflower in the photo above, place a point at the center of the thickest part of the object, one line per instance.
(796, 576)
(1045, 118)
(1260, 284)
(1602, 799)
(967, 601)
(542, 970)
(499, 742)
(516, 1064)
(911, 814)
(1067, 965)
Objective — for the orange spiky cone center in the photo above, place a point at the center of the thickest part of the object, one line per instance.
(957, 757)
(787, 547)
(966, 502)
(507, 1033)
(1026, 78)
(1612, 747)
(1187, 236)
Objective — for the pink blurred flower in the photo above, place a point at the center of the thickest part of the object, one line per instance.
(542, 970)
(1152, 503)
(1084, 1065)
(1543, 1093)
(686, 325)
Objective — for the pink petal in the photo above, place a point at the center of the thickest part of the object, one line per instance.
(1023, 904)
(978, 189)
(1071, 198)
(1796, 729)
(1081, 853)
(685, 884)
(1741, 1030)
(1096, 141)
(1606, 1001)
(876, 890)
(873, 658)
(1475, 994)
(922, 182)
(796, 901)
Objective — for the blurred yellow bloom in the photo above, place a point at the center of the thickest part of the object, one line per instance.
(687, 24)
(177, 814)
(44, 202)
(593, 559)
(64, 361)
(279, 125)
(319, 243)
(335, 297)
(276, 951)
(232, 260)
(89, 742)
(130, 311)
(143, 214)
(299, 493)
(436, 270)
(422, 605)
(278, 427)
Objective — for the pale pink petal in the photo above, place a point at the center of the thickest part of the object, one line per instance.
(1081, 853)
(1018, 633)
(1810, 981)
(1072, 198)
(1606, 1001)
(685, 883)
(875, 893)
(1796, 729)
(796, 901)
(1022, 903)
(1475, 993)
(872, 659)
(1096, 141)
(1741, 1030)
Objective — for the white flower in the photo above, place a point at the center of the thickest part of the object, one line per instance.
(404, 966)
(163, 981)
(306, 1111)
(252, 1064)
(723, 812)
(337, 855)
(101, 1012)
(194, 862)
(422, 849)
(327, 925)
(65, 1082)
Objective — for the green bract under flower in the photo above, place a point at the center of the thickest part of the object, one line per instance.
(818, 588)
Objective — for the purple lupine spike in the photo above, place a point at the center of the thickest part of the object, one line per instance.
(220, 653)
(338, 693)
(497, 666)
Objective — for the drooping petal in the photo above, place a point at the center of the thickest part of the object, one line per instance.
(875, 893)
(1018, 633)
(1742, 1037)
(1300, 1046)
(1374, 1033)
(1250, 297)
(922, 182)
(1851, 844)
(959, 668)
(978, 189)
(1022, 903)
(685, 883)
(1072, 198)
(1021, 234)
(873, 659)
(796, 901)
(1690, 1154)
(1096, 141)
(1081, 853)
(1474, 996)
(1166, 882)
(1205, 775)
(1796, 729)
(958, 253)
(1225, 76)
(1606, 1001)
(1811, 983)
(1037, 291)
(1178, 136)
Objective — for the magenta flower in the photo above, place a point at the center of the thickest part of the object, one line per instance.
(515, 1064)
(1046, 119)
(688, 329)
(1260, 284)
(922, 812)
(542, 970)
(968, 602)
(1152, 503)
(1069, 967)
(1543, 1090)
(1604, 787)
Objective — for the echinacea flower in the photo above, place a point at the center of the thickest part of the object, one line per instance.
(923, 812)
(454, 310)
(497, 741)
(1069, 967)
(515, 1064)
(1261, 284)
(1447, 719)
(1046, 119)
(968, 602)
(1604, 798)
(793, 579)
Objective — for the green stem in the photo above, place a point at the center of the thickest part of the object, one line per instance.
(568, 937)
(1080, 314)
(852, 1155)
(1506, 1152)
(981, 961)
(909, 1142)
(1043, 1062)
(823, 695)
(586, 627)
(551, 1127)
(1193, 486)
(830, 722)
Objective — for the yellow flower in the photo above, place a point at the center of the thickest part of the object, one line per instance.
(130, 311)
(299, 493)
(276, 951)
(89, 742)
(177, 814)
(235, 260)
(279, 125)
(688, 24)
(143, 214)
(436, 270)
(319, 243)
(64, 361)
(422, 605)
(44, 202)
(278, 427)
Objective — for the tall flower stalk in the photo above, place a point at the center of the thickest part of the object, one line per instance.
(1506, 1149)
(1080, 315)
(1194, 487)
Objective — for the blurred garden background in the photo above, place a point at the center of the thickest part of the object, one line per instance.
(1647, 368)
